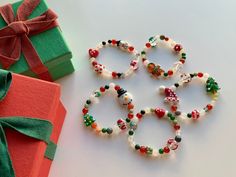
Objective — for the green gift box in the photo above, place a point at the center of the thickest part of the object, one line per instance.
(50, 46)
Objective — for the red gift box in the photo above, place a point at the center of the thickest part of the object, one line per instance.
(35, 98)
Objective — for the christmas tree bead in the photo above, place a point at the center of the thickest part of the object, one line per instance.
(212, 88)
(125, 100)
(101, 70)
(155, 70)
(172, 144)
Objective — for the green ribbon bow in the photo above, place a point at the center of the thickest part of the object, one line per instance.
(32, 127)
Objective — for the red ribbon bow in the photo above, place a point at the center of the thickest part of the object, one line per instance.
(14, 38)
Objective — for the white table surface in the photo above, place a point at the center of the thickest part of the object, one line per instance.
(206, 28)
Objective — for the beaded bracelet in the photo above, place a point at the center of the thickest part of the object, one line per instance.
(171, 145)
(155, 69)
(172, 99)
(124, 46)
(124, 98)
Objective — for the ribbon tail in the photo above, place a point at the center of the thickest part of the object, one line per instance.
(35, 128)
(6, 168)
(34, 60)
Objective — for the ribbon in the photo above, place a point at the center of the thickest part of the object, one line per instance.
(32, 127)
(14, 38)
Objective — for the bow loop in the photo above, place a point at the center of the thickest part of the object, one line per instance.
(19, 27)
(14, 38)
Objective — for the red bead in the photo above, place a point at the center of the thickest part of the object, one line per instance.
(93, 53)
(131, 49)
(166, 150)
(130, 116)
(148, 45)
(174, 108)
(117, 87)
(114, 74)
(85, 111)
(182, 61)
(209, 107)
(160, 112)
(94, 63)
(170, 72)
(138, 115)
(176, 126)
(102, 89)
(200, 74)
(143, 149)
(166, 39)
(113, 41)
(177, 47)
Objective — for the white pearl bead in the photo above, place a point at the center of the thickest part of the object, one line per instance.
(162, 89)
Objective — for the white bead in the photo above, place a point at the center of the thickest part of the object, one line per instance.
(162, 89)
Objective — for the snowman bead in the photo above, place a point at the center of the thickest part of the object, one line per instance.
(123, 97)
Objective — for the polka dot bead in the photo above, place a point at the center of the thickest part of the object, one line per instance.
(171, 144)
(124, 98)
(212, 89)
(156, 70)
(100, 69)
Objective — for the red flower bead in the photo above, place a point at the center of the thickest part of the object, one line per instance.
(85, 111)
(176, 126)
(114, 74)
(131, 48)
(113, 41)
(177, 47)
(130, 116)
(209, 107)
(170, 72)
(174, 108)
(117, 87)
(138, 115)
(200, 74)
(166, 150)
(148, 45)
(102, 89)
(143, 149)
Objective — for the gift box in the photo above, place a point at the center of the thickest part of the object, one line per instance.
(35, 100)
(31, 42)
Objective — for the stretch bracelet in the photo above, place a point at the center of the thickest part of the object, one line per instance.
(171, 145)
(155, 69)
(124, 98)
(172, 99)
(124, 46)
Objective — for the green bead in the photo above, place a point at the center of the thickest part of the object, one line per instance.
(161, 151)
(131, 133)
(165, 74)
(172, 118)
(106, 87)
(137, 146)
(143, 52)
(183, 54)
(169, 115)
(189, 115)
(88, 101)
(104, 130)
(127, 120)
